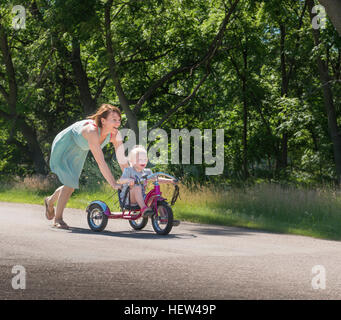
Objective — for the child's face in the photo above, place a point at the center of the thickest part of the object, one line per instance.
(140, 161)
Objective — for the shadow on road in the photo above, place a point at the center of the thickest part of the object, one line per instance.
(145, 234)
(225, 231)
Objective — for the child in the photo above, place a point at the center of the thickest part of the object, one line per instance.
(138, 160)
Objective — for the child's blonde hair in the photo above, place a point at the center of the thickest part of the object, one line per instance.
(133, 152)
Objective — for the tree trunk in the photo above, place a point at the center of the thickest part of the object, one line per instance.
(283, 155)
(11, 97)
(245, 118)
(333, 8)
(328, 101)
(131, 117)
(245, 114)
(287, 69)
(88, 103)
(284, 151)
(36, 154)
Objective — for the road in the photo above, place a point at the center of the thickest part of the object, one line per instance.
(195, 261)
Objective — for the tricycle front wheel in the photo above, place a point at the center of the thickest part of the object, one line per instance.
(163, 222)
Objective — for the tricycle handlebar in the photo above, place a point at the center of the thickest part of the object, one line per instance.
(156, 174)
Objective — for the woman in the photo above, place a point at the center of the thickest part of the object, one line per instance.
(69, 151)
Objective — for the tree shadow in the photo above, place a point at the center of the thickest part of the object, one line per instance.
(132, 234)
(226, 231)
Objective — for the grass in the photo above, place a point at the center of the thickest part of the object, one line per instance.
(270, 207)
(315, 213)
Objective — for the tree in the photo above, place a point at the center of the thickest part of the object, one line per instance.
(12, 112)
(333, 8)
(328, 100)
(185, 71)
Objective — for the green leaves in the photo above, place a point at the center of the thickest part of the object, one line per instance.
(152, 37)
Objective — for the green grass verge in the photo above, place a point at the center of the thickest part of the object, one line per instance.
(299, 212)
(79, 200)
(229, 218)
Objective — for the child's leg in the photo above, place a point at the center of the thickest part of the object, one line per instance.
(136, 196)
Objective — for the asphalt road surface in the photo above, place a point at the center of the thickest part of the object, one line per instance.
(194, 261)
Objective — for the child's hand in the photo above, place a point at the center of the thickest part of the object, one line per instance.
(131, 182)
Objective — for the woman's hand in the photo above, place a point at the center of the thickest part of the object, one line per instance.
(128, 181)
(117, 141)
(116, 137)
(117, 186)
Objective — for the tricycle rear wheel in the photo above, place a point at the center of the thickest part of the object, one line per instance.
(138, 224)
(97, 220)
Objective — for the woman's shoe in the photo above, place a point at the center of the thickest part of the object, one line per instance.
(60, 224)
(49, 213)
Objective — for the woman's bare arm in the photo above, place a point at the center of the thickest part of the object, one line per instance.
(94, 145)
(117, 141)
(130, 181)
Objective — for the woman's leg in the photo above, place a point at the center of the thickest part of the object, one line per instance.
(54, 197)
(65, 193)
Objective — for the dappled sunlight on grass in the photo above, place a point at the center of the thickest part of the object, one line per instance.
(270, 207)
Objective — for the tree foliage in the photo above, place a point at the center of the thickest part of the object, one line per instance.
(250, 67)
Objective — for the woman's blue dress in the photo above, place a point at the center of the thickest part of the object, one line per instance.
(69, 151)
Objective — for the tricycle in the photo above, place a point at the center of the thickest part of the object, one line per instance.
(98, 212)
